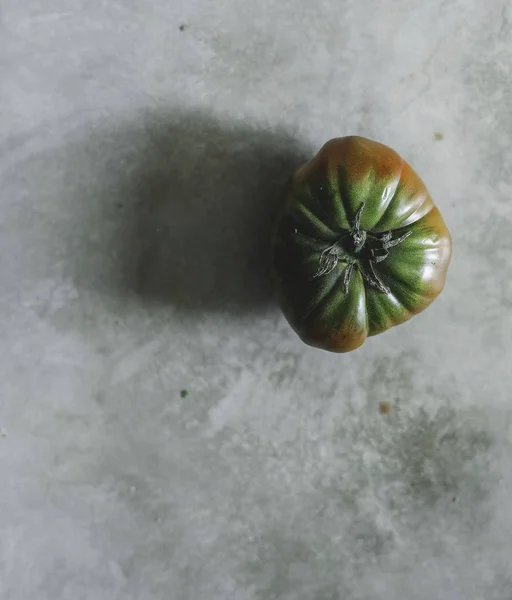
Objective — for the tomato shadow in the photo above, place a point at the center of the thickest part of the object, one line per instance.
(184, 205)
(208, 195)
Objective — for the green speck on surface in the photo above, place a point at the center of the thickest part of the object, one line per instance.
(184, 393)
(438, 136)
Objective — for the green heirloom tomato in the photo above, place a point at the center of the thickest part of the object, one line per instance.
(359, 245)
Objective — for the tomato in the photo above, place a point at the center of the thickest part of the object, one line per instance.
(359, 245)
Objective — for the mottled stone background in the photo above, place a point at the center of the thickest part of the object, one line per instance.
(143, 146)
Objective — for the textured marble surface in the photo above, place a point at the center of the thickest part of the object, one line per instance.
(142, 149)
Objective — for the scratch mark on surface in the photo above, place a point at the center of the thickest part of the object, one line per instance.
(504, 18)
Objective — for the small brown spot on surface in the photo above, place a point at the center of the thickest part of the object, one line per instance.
(384, 408)
(438, 136)
(182, 27)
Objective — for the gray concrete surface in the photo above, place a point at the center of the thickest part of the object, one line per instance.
(143, 145)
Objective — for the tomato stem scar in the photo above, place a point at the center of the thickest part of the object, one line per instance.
(361, 249)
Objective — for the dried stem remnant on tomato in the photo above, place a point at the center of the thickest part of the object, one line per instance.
(361, 249)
